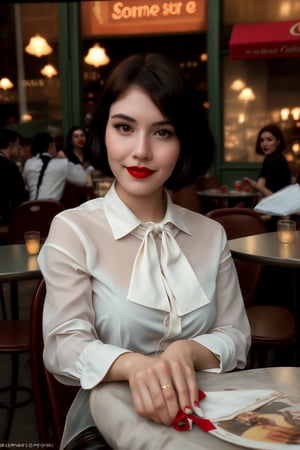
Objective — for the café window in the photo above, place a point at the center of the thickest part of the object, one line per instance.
(260, 85)
(112, 30)
(29, 74)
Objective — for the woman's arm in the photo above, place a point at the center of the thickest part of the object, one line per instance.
(161, 385)
(259, 186)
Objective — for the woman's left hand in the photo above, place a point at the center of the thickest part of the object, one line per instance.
(165, 384)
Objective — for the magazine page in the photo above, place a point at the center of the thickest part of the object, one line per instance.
(255, 418)
(273, 426)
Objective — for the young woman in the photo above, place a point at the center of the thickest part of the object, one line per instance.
(275, 173)
(75, 149)
(138, 288)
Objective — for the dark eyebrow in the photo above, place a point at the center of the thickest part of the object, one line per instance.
(130, 119)
(123, 117)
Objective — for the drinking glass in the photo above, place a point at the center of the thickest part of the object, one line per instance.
(32, 242)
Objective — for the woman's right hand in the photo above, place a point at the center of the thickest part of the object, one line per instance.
(251, 182)
(160, 386)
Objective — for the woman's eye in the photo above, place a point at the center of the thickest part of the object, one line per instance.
(123, 128)
(164, 133)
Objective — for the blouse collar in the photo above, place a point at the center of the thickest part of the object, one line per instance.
(123, 221)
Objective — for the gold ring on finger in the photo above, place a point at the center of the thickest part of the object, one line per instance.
(166, 386)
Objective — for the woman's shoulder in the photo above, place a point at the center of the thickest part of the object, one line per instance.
(198, 221)
(83, 219)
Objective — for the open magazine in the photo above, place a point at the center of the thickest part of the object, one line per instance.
(256, 419)
(282, 203)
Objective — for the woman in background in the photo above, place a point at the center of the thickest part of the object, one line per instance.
(75, 149)
(275, 173)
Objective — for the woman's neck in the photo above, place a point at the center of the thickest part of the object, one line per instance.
(78, 152)
(148, 209)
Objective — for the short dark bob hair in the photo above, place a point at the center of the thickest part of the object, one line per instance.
(164, 82)
(69, 144)
(276, 132)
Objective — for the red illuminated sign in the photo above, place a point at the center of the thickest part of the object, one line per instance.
(265, 40)
(142, 17)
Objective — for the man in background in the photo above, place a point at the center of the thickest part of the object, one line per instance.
(46, 173)
(12, 186)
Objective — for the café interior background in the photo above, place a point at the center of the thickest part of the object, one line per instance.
(55, 90)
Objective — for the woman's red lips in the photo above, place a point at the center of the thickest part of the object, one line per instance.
(139, 172)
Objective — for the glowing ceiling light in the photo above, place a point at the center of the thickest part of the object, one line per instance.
(96, 56)
(246, 95)
(284, 113)
(237, 85)
(5, 84)
(38, 46)
(49, 71)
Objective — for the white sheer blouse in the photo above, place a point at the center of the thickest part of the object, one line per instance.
(97, 306)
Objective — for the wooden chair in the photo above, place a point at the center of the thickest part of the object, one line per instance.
(14, 339)
(273, 327)
(32, 215)
(74, 195)
(52, 399)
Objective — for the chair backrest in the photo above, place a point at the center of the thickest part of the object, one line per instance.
(240, 222)
(74, 195)
(51, 398)
(32, 215)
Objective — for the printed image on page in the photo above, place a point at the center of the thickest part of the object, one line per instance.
(274, 426)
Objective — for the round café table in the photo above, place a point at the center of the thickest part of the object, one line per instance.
(16, 265)
(267, 249)
(112, 408)
(228, 198)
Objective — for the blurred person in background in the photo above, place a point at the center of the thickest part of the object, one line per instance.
(275, 173)
(75, 149)
(12, 186)
(46, 173)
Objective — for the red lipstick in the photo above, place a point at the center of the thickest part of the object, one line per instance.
(139, 172)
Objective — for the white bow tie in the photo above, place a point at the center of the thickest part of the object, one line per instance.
(164, 282)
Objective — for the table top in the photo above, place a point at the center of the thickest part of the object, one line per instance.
(231, 193)
(16, 264)
(266, 248)
(118, 404)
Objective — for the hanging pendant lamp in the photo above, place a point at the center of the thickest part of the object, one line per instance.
(38, 46)
(5, 84)
(97, 56)
(49, 71)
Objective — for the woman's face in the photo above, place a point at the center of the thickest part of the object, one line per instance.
(78, 138)
(142, 145)
(268, 142)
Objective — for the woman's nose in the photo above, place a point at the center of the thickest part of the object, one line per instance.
(142, 148)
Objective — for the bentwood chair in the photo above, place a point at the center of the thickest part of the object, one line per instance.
(273, 327)
(14, 339)
(74, 195)
(52, 399)
(32, 215)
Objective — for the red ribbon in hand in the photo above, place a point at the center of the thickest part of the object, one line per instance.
(182, 420)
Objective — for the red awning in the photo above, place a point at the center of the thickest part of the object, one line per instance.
(265, 40)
